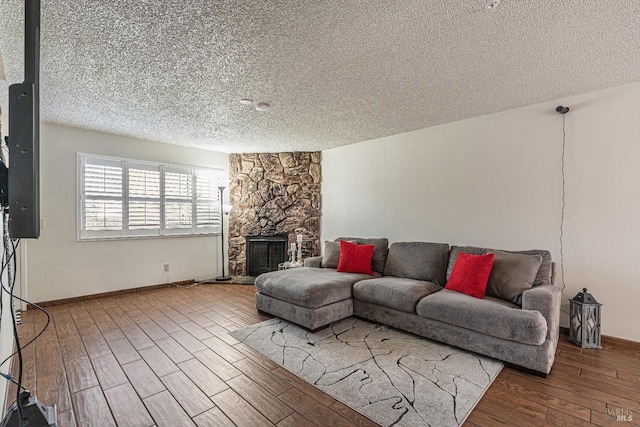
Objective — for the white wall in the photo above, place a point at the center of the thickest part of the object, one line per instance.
(496, 181)
(58, 266)
(6, 333)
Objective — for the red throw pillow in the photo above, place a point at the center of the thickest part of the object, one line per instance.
(470, 274)
(355, 258)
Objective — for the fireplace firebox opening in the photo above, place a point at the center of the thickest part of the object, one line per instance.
(264, 253)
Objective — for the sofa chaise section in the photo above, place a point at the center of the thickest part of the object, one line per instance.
(315, 297)
(309, 297)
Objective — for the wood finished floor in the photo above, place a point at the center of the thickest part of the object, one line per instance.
(164, 358)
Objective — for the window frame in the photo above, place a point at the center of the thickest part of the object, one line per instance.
(217, 174)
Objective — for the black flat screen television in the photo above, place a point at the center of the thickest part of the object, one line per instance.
(24, 135)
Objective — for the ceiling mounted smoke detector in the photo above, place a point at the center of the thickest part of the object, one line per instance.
(263, 106)
(246, 101)
(492, 5)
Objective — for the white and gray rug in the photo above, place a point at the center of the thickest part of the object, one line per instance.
(391, 377)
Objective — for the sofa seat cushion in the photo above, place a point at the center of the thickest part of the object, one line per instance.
(307, 286)
(490, 316)
(398, 293)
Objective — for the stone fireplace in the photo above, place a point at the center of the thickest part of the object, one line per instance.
(273, 194)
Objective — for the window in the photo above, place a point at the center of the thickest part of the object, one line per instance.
(178, 190)
(128, 198)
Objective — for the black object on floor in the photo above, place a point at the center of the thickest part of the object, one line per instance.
(34, 413)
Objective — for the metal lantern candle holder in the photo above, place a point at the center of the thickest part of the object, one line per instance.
(584, 320)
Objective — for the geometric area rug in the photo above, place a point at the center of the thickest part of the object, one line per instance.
(392, 377)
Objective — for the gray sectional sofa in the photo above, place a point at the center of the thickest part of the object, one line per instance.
(407, 292)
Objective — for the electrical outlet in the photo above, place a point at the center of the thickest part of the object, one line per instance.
(166, 267)
(41, 223)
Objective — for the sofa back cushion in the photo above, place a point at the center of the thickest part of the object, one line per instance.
(543, 277)
(380, 247)
(512, 274)
(418, 261)
(331, 255)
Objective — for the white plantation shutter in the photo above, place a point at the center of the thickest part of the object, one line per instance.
(102, 201)
(207, 199)
(126, 198)
(103, 180)
(144, 197)
(103, 215)
(178, 190)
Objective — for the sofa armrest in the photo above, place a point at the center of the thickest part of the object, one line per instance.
(314, 261)
(545, 299)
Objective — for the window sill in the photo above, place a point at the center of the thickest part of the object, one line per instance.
(144, 237)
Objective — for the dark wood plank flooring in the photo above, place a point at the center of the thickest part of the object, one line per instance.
(164, 358)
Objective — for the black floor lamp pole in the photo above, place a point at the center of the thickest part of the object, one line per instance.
(222, 278)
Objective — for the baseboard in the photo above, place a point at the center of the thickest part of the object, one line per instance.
(621, 342)
(606, 339)
(525, 370)
(111, 293)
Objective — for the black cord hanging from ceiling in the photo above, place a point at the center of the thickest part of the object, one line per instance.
(562, 110)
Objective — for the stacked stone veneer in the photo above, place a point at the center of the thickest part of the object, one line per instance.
(273, 194)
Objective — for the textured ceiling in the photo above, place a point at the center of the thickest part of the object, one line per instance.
(335, 72)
